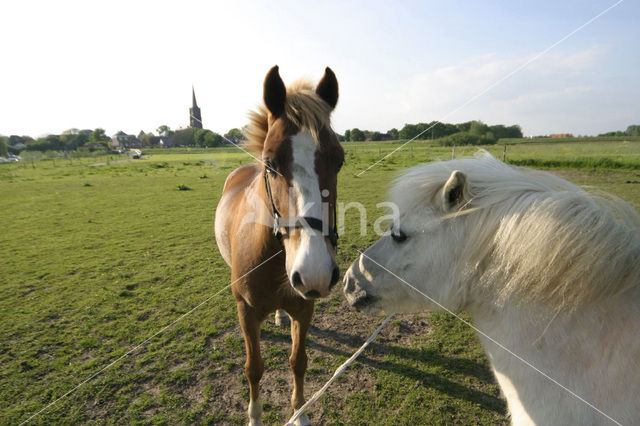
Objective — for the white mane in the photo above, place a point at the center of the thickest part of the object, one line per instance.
(537, 236)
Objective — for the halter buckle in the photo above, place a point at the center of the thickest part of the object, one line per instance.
(276, 224)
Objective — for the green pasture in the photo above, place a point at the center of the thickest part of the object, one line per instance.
(569, 155)
(99, 254)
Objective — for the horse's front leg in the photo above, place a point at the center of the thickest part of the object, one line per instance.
(298, 360)
(254, 367)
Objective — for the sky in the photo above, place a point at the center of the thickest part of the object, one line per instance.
(129, 65)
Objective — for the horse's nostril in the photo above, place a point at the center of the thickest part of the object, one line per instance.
(312, 294)
(363, 301)
(296, 279)
(349, 285)
(335, 277)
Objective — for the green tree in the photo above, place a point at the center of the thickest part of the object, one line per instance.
(478, 128)
(347, 135)
(99, 137)
(235, 135)
(489, 138)
(409, 131)
(393, 133)
(514, 131)
(450, 129)
(376, 136)
(205, 138)
(4, 146)
(47, 143)
(633, 130)
(214, 139)
(15, 140)
(464, 127)
(438, 130)
(163, 130)
(148, 139)
(73, 139)
(184, 137)
(357, 135)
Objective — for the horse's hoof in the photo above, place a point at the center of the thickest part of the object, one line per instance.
(282, 319)
(255, 422)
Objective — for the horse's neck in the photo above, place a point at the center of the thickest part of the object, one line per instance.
(592, 352)
(257, 202)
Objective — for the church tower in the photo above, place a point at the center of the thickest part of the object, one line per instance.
(195, 120)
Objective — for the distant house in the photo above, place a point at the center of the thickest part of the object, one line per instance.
(123, 141)
(561, 135)
(166, 142)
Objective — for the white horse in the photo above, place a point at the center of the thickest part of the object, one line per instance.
(549, 273)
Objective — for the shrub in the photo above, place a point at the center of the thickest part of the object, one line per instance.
(465, 138)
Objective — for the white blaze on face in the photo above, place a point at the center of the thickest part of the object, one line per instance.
(313, 260)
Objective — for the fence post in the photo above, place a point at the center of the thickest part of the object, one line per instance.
(504, 153)
(453, 152)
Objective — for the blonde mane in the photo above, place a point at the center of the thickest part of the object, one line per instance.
(303, 108)
(533, 236)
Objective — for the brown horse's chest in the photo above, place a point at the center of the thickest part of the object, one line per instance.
(263, 294)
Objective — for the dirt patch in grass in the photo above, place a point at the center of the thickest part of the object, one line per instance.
(336, 333)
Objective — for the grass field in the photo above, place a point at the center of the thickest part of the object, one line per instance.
(97, 255)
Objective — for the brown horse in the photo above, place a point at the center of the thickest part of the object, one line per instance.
(273, 223)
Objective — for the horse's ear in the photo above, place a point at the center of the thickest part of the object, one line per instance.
(328, 88)
(275, 93)
(455, 192)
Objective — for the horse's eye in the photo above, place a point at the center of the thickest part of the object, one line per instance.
(398, 236)
(271, 166)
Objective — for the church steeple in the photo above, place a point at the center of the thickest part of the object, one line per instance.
(195, 119)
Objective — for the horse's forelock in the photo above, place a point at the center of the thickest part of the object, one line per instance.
(303, 110)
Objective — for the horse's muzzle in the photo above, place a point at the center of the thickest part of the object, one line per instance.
(357, 296)
(312, 287)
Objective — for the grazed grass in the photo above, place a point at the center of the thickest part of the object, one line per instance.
(90, 271)
(96, 259)
(578, 155)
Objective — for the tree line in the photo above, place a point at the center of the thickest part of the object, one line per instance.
(97, 139)
(203, 138)
(633, 130)
(468, 133)
(69, 140)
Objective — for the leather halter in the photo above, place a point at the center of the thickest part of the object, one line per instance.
(293, 222)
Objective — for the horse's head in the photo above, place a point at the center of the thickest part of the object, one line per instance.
(302, 157)
(421, 250)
